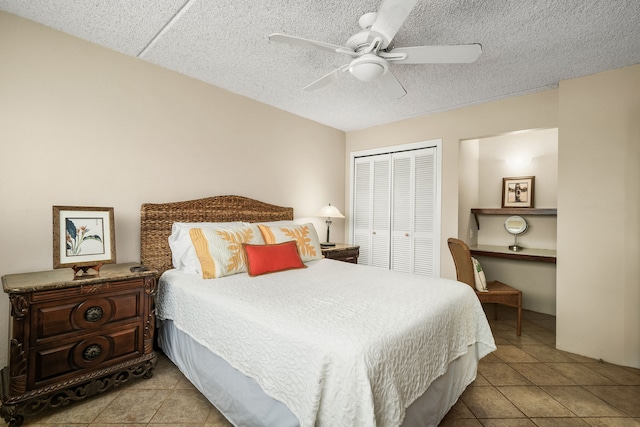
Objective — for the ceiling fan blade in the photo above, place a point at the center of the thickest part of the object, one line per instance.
(299, 41)
(455, 54)
(391, 86)
(391, 16)
(326, 80)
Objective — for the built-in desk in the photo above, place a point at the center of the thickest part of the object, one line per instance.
(540, 255)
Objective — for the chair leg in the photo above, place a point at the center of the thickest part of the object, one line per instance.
(519, 320)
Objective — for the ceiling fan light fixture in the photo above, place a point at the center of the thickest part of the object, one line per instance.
(368, 67)
(371, 50)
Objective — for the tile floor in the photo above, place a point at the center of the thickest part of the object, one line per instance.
(526, 382)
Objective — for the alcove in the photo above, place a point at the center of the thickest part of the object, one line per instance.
(484, 162)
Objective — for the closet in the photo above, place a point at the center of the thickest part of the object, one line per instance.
(395, 200)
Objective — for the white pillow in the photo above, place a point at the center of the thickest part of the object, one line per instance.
(183, 255)
(478, 273)
(220, 251)
(304, 235)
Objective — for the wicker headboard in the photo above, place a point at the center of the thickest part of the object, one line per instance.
(156, 220)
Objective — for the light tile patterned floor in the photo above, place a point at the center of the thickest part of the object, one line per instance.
(526, 382)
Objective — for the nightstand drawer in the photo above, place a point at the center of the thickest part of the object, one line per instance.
(52, 321)
(67, 359)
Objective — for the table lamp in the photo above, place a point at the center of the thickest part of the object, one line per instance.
(329, 212)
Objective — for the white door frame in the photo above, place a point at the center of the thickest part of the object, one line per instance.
(433, 143)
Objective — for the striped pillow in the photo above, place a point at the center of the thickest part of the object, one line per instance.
(304, 235)
(183, 255)
(220, 251)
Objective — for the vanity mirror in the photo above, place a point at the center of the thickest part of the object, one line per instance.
(515, 225)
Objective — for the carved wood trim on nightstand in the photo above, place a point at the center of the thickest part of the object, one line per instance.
(75, 337)
(19, 306)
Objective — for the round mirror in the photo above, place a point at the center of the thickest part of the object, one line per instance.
(515, 225)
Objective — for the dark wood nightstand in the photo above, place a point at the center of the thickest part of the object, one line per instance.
(72, 338)
(342, 252)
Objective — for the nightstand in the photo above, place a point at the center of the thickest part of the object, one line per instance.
(71, 338)
(342, 252)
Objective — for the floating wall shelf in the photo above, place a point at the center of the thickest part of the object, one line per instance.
(512, 211)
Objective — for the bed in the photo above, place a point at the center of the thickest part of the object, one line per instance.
(330, 344)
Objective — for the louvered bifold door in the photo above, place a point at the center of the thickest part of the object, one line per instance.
(371, 209)
(402, 213)
(425, 251)
(413, 211)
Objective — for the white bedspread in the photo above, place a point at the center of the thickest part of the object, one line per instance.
(339, 344)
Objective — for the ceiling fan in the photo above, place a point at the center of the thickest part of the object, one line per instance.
(371, 50)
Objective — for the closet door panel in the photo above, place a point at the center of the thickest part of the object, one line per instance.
(381, 211)
(371, 209)
(395, 218)
(362, 209)
(423, 258)
(425, 192)
(401, 227)
(401, 259)
(424, 212)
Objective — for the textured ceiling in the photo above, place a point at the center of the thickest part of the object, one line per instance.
(527, 46)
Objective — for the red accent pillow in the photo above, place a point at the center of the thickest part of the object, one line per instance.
(263, 259)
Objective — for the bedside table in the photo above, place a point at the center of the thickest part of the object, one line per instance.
(71, 338)
(342, 252)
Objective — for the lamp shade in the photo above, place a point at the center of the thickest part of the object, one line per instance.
(330, 212)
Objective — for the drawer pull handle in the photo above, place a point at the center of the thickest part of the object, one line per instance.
(92, 352)
(93, 314)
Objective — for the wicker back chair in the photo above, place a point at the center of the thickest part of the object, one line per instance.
(499, 293)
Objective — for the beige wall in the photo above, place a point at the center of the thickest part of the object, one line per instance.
(598, 285)
(81, 125)
(468, 189)
(599, 216)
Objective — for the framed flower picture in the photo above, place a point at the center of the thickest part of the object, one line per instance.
(517, 192)
(83, 236)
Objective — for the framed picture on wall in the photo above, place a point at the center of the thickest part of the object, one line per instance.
(518, 192)
(83, 236)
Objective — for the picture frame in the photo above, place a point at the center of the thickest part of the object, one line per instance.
(518, 192)
(83, 236)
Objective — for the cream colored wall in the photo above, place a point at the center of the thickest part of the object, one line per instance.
(81, 125)
(542, 147)
(599, 216)
(468, 189)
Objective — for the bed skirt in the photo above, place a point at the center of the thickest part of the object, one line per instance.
(243, 402)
